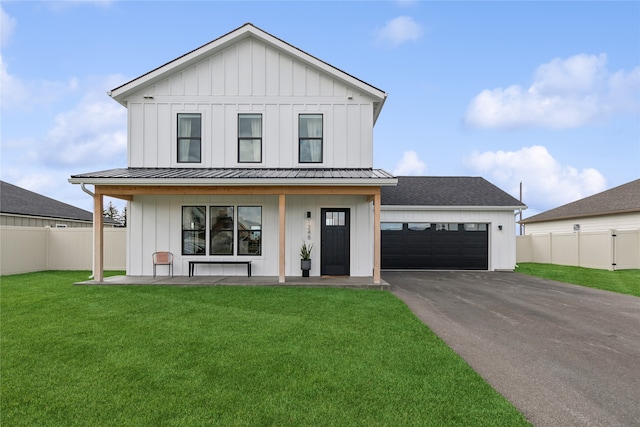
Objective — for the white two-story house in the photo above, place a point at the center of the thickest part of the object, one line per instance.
(244, 149)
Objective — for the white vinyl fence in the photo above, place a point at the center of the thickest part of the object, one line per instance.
(27, 249)
(606, 250)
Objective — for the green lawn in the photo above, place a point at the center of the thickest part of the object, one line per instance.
(622, 281)
(232, 356)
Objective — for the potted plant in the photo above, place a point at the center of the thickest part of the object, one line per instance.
(305, 259)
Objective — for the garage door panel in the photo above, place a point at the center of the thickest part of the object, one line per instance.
(436, 246)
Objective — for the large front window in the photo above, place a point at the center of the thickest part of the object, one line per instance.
(221, 230)
(249, 138)
(310, 138)
(249, 230)
(194, 230)
(189, 138)
(233, 230)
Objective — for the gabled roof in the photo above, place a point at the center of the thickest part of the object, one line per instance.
(622, 199)
(245, 31)
(18, 201)
(453, 191)
(237, 176)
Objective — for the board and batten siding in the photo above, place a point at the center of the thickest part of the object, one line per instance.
(155, 225)
(250, 77)
(502, 243)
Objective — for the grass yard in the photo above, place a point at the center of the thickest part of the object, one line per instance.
(180, 356)
(622, 281)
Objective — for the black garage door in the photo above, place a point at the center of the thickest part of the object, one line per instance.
(445, 246)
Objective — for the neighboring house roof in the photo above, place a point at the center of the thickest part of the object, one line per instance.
(18, 201)
(447, 191)
(622, 199)
(247, 30)
(15, 200)
(237, 176)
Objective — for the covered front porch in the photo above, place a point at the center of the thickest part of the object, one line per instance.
(281, 193)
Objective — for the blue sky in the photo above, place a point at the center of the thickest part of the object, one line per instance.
(546, 93)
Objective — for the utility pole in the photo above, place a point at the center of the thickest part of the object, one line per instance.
(521, 229)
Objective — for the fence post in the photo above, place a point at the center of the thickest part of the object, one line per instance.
(612, 266)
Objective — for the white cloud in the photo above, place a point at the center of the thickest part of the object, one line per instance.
(7, 25)
(18, 94)
(91, 135)
(399, 30)
(410, 164)
(546, 183)
(568, 93)
(94, 132)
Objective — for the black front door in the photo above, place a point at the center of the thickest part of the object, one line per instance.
(334, 236)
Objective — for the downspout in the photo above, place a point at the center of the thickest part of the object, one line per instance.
(93, 259)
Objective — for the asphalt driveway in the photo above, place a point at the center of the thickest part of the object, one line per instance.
(564, 355)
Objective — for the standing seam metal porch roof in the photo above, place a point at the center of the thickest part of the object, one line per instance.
(264, 174)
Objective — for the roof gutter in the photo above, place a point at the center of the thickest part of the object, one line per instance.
(449, 208)
(239, 182)
(85, 189)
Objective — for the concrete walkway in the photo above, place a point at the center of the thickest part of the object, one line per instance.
(564, 355)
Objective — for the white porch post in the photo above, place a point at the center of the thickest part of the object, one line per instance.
(282, 222)
(98, 235)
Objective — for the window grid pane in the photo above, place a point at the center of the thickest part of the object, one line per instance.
(419, 226)
(194, 230)
(446, 227)
(221, 230)
(249, 230)
(250, 151)
(249, 138)
(310, 138)
(189, 138)
(391, 226)
(335, 219)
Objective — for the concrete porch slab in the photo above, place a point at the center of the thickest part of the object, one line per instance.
(317, 281)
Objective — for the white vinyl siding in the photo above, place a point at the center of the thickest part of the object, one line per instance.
(155, 223)
(251, 77)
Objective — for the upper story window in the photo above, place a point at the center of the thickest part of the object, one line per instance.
(189, 138)
(249, 138)
(310, 138)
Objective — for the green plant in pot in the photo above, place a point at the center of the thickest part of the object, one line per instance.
(305, 259)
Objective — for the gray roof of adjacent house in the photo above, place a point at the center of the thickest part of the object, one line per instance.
(15, 200)
(447, 191)
(622, 199)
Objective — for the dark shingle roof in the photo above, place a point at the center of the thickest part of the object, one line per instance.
(446, 191)
(621, 199)
(18, 201)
